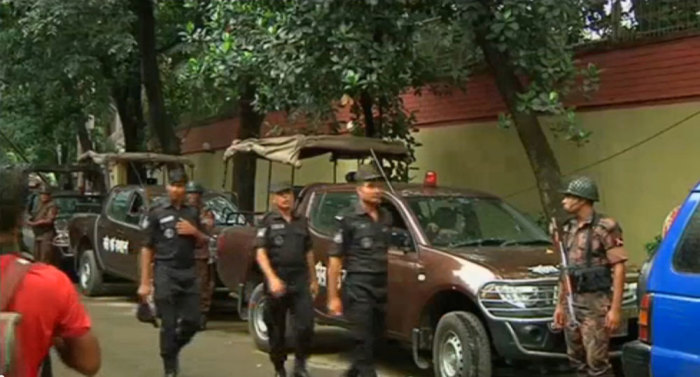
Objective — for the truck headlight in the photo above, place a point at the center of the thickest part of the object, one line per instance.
(520, 296)
(61, 226)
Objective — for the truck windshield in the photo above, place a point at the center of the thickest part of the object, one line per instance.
(455, 221)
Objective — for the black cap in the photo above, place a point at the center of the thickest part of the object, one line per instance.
(146, 313)
(280, 187)
(177, 176)
(368, 173)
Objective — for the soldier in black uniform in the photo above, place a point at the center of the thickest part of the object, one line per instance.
(168, 258)
(361, 245)
(285, 257)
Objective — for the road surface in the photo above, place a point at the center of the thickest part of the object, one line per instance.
(130, 348)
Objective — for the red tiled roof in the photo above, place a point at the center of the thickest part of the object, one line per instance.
(657, 72)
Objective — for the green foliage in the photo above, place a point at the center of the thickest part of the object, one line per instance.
(536, 38)
(652, 246)
(304, 56)
(57, 60)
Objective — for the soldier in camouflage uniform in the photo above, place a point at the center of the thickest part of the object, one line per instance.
(42, 223)
(203, 262)
(598, 312)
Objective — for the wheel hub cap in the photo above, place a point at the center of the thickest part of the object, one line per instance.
(84, 274)
(451, 356)
(259, 320)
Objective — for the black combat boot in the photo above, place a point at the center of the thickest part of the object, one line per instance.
(280, 372)
(172, 367)
(300, 369)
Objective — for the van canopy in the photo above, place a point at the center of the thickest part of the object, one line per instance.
(290, 150)
(146, 157)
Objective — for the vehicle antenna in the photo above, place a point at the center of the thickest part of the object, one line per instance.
(379, 167)
(136, 172)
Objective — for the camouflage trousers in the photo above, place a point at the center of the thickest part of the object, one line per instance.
(205, 273)
(44, 251)
(587, 346)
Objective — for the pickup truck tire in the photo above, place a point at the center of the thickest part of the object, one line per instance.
(256, 324)
(461, 347)
(89, 274)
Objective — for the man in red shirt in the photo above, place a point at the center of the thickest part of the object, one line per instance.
(52, 314)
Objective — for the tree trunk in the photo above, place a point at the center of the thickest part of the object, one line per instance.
(366, 103)
(244, 164)
(127, 97)
(150, 74)
(542, 160)
(84, 137)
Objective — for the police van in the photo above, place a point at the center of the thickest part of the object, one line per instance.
(670, 305)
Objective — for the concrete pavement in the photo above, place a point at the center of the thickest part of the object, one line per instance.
(225, 349)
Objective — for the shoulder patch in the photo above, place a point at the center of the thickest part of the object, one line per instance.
(608, 223)
(167, 219)
(338, 238)
(261, 232)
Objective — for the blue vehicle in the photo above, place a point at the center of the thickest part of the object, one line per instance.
(669, 331)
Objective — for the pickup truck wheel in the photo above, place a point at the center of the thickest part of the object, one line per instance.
(256, 321)
(89, 275)
(461, 347)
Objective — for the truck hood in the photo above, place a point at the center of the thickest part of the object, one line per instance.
(526, 262)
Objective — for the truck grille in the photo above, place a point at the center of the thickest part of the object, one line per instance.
(531, 301)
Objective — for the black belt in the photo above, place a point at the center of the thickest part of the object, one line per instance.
(172, 263)
(367, 273)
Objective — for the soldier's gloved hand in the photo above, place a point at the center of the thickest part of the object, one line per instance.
(277, 287)
(612, 320)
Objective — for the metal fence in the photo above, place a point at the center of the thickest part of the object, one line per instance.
(614, 21)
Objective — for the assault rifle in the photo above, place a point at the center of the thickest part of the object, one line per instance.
(573, 323)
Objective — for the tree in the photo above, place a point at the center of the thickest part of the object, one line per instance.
(528, 48)
(65, 60)
(50, 65)
(302, 57)
(230, 62)
(150, 76)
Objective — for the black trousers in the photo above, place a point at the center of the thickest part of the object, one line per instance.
(176, 297)
(299, 303)
(364, 301)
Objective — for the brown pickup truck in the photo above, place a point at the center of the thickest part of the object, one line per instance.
(472, 281)
(106, 244)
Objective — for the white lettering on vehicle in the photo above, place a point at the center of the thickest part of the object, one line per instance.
(322, 275)
(115, 245)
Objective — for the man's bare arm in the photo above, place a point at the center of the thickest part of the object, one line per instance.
(335, 265)
(312, 269)
(146, 265)
(618, 286)
(81, 353)
(265, 266)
